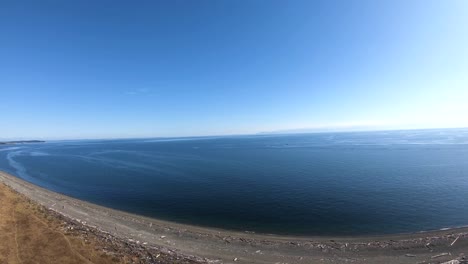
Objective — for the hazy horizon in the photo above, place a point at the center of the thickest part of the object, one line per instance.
(261, 133)
(88, 70)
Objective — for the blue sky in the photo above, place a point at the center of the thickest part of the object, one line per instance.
(98, 69)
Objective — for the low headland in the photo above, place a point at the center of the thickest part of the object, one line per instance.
(81, 232)
(20, 142)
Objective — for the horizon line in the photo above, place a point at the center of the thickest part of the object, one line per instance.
(266, 133)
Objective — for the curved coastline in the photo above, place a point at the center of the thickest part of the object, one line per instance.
(217, 245)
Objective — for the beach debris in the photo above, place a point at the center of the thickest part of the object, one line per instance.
(439, 255)
(459, 260)
(453, 261)
(162, 237)
(410, 255)
(428, 246)
(258, 251)
(235, 259)
(455, 240)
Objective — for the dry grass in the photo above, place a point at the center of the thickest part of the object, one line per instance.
(29, 235)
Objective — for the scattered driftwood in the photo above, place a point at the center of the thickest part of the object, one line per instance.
(428, 246)
(439, 255)
(455, 240)
(460, 260)
(454, 261)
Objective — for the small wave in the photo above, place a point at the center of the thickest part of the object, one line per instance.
(10, 148)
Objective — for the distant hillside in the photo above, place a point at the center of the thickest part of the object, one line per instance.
(21, 142)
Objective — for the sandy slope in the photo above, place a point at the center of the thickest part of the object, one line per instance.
(198, 244)
(28, 235)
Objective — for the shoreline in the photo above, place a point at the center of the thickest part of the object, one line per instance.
(212, 245)
(258, 235)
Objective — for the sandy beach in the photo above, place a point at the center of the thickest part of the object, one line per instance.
(167, 242)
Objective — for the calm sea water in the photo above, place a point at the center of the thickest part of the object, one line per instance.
(308, 184)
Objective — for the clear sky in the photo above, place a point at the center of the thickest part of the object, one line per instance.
(97, 69)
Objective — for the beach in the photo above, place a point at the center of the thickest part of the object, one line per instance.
(193, 244)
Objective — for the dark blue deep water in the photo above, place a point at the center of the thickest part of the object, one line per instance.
(308, 184)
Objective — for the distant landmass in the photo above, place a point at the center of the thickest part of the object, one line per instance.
(21, 142)
(324, 129)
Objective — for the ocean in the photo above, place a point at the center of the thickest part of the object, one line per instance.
(333, 184)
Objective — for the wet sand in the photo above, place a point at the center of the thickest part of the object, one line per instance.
(192, 244)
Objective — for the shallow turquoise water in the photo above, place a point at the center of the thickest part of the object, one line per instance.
(308, 184)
